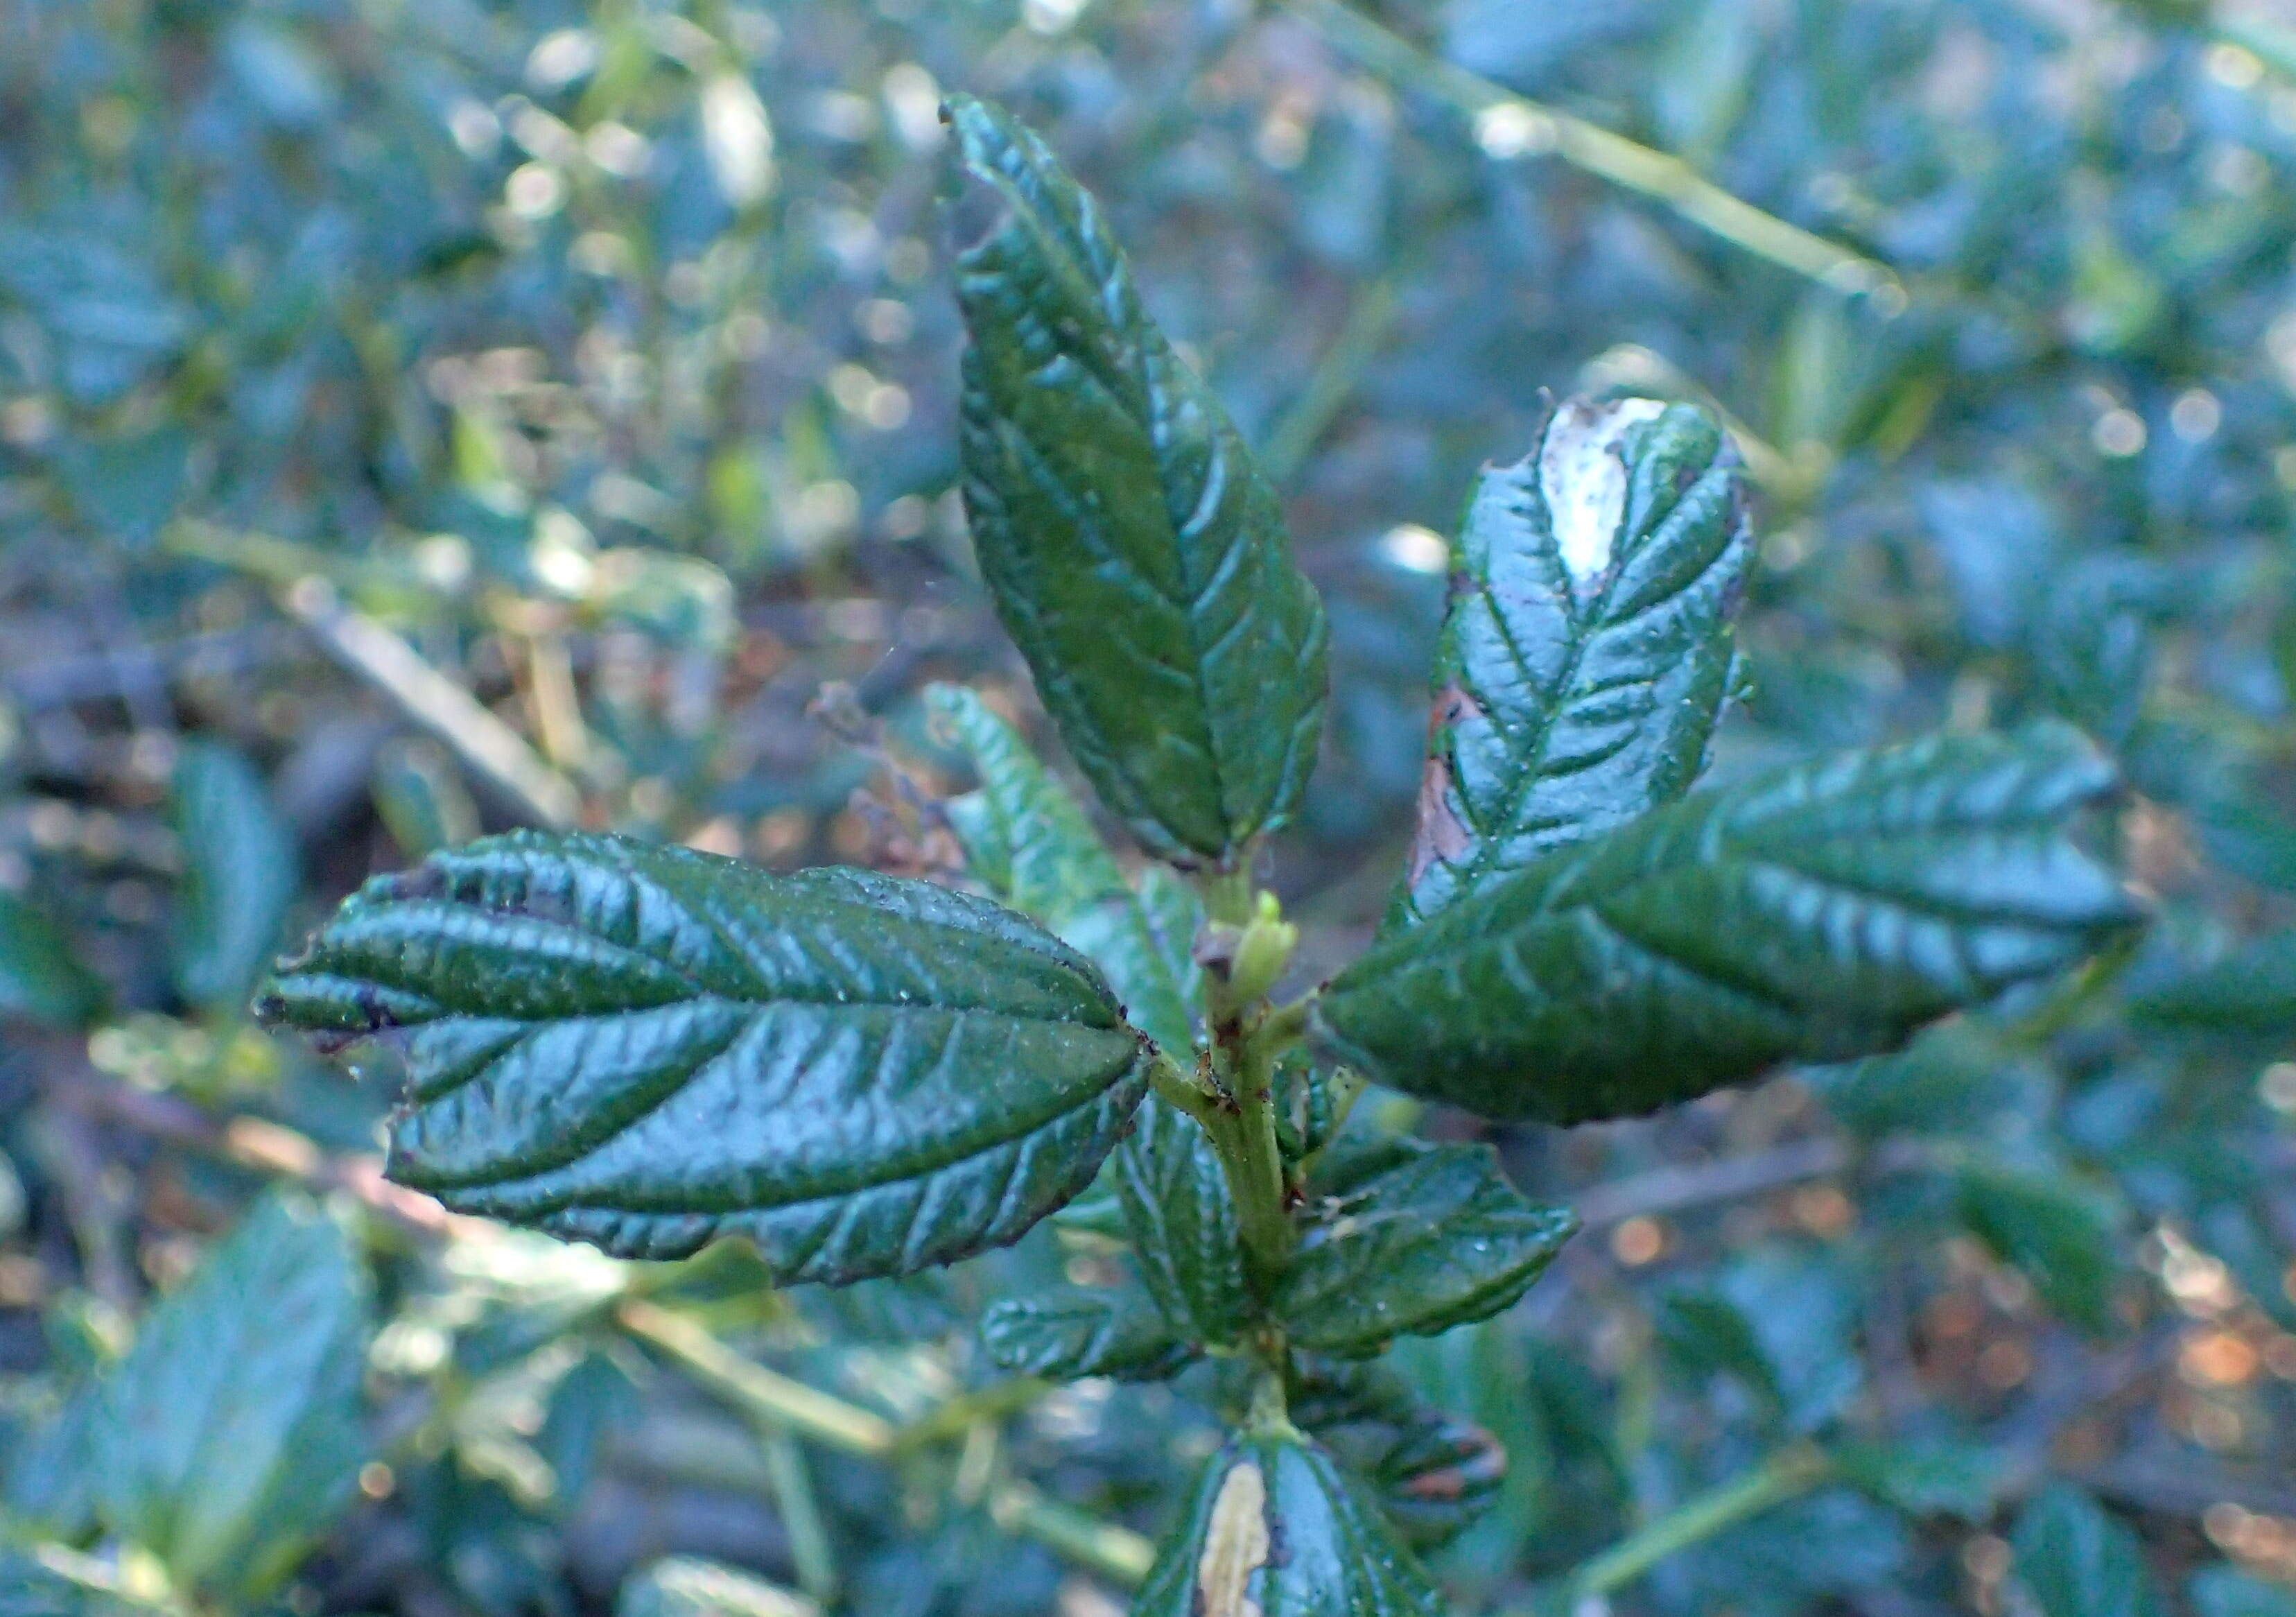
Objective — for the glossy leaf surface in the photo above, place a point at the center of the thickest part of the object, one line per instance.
(1134, 554)
(1435, 1474)
(1816, 913)
(241, 869)
(1081, 1333)
(1587, 651)
(1276, 1528)
(1184, 1235)
(1436, 1239)
(231, 1433)
(645, 1047)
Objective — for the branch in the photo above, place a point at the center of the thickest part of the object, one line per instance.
(1532, 127)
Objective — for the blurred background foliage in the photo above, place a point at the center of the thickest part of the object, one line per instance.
(419, 416)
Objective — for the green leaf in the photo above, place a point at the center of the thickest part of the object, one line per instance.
(1134, 554)
(1925, 1477)
(1815, 912)
(647, 1047)
(41, 978)
(2224, 1590)
(1780, 1319)
(1435, 1241)
(2250, 993)
(2061, 1233)
(1030, 842)
(30, 1587)
(1434, 1475)
(1026, 838)
(1175, 1204)
(1588, 649)
(50, 1474)
(1274, 1527)
(1076, 1333)
(230, 1435)
(240, 875)
(2075, 1560)
(685, 1586)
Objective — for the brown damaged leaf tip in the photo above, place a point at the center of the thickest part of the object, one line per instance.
(1442, 834)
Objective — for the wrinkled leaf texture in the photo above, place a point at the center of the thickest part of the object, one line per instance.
(1436, 1240)
(646, 1048)
(1588, 650)
(1818, 912)
(1134, 554)
(1076, 1334)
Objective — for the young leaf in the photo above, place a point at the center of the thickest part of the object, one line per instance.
(1134, 554)
(1083, 1332)
(2060, 1233)
(1183, 1236)
(1438, 1240)
(1588, 649)
(41, 978)
(240, 875)
(1816, 913)
(1434, 1475)
(2075, 1560)
(645, 1047)
(231, 1433)
(2250, 993)
(1030, 842)
(1275, 1527)
(1026, 839)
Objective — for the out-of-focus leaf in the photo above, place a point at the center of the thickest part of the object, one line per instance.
(41, 978)
(2249, 993)
(685, 1586)
(2061, 1233)
(1438, 1240)
(240, 875)
(1275, 1526)
(1588, 650)
(2075, 1560)
(1081, 1333)
(1778, 1319)
(1928, 1478)
(1134, 554)
(1818, 912)
(645, 1047)
(2224, 1590)
(231, 1434)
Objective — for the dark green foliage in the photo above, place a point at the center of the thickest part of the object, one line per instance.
(41, 978)
(2060, 1233)
(1436, 1239)
(1078, 1334)
(231, 1431)
(1589, 645)
(1137, 556)
(2249, 993)
(1434, 1475)
(1818, 912)
(645, 1047)
(1183, 1224)
(2073, 1560)
(1273, 1526)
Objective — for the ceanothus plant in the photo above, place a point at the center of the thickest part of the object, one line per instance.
(649, 1048)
